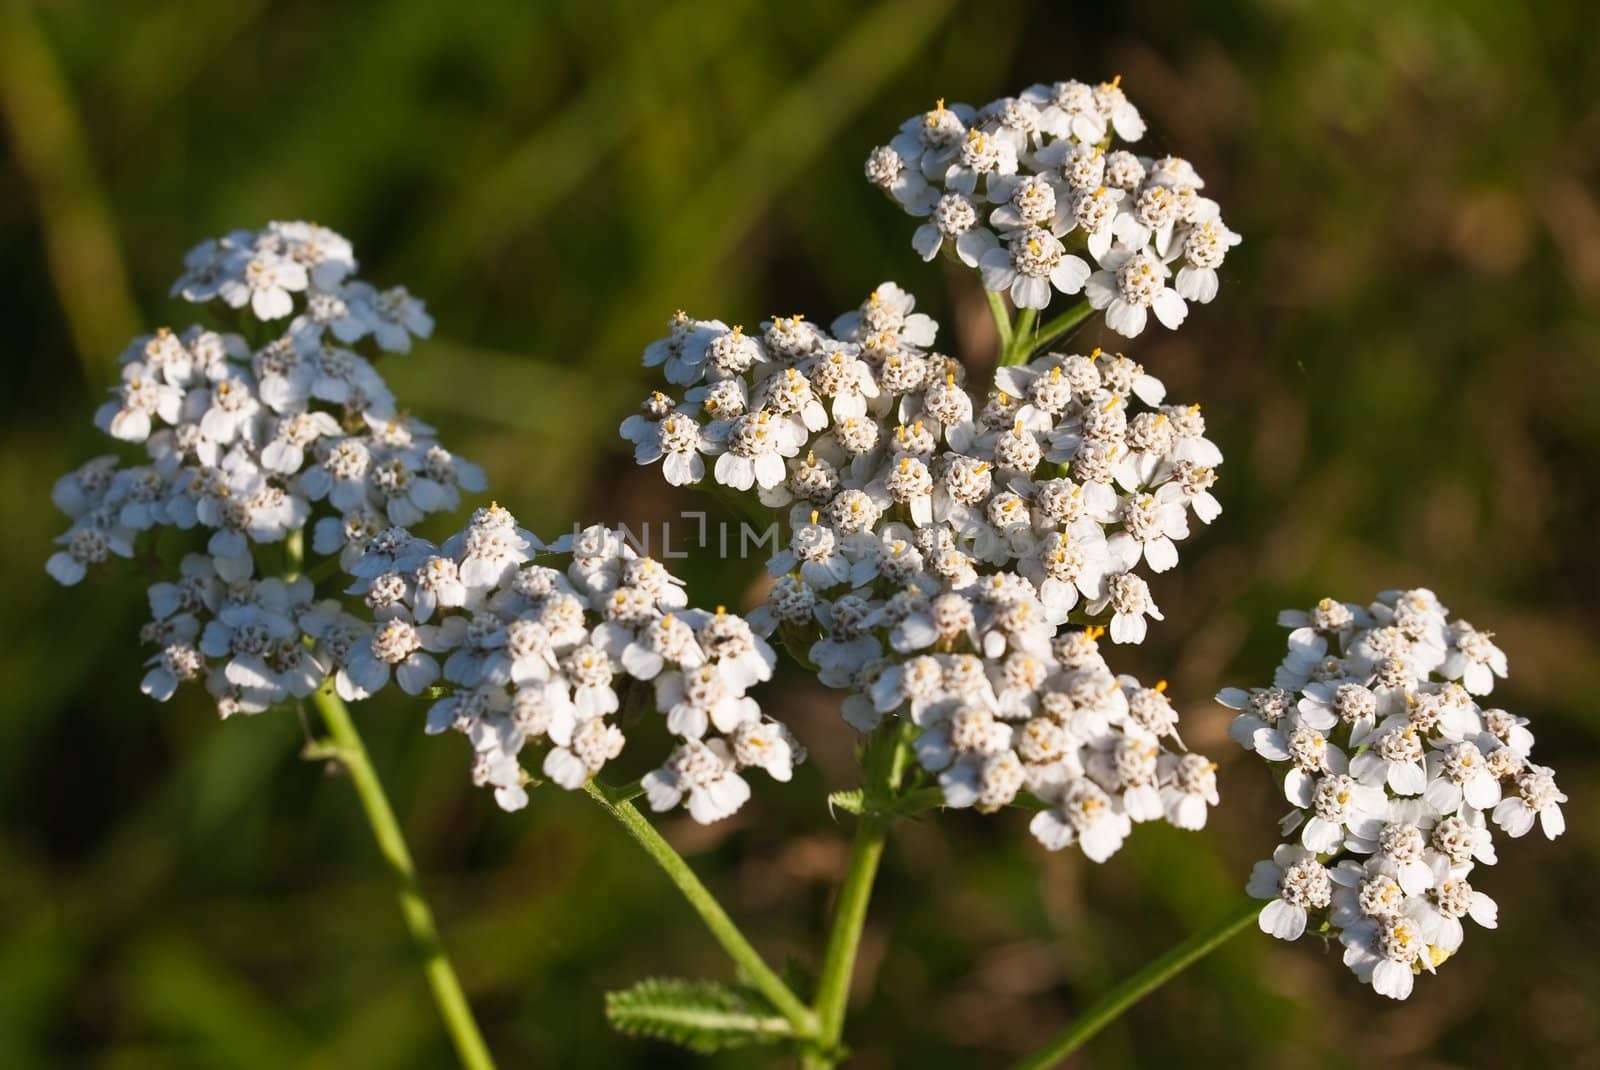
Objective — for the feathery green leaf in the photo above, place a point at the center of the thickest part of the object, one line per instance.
(702, 1016)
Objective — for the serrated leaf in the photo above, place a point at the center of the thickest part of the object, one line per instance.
(702, 1016)
(851, 802)
(911, 804)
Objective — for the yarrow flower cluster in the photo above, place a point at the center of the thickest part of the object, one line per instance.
(922, 526)
(248, 438)
(540, 646)
(1020, 187)
(1395, 772)
(945, 559)
(948, 559)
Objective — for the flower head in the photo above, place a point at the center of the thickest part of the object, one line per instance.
(1021, 186)
(247, 448)
(1395, 775)
(542, 647)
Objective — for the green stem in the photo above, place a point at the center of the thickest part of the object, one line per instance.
(1022, 330)
(1110, 1006)
(346, 747)
(739, 949)
(844, 939)
(1002, 318)
(1059, 326)
(885, 768)
(1021, 338)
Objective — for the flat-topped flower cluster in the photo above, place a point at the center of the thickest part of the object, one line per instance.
(1021, 186)
(247, 438)
(1395, 772)
(948, 559)
(1072, 474)
(540, 645)
(935, 544)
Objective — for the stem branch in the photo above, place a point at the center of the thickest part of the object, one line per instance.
(1111, 1006)
(1059, 326)
(345, 745)
(705, 904)
(1021, 344)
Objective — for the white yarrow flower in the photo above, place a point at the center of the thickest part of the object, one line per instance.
(1394, 773)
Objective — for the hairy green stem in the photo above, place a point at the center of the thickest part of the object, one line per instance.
(722, 927)
(844, 938)
(1002, 318)
(1059, 326)
(885, 768)
(1111, 1006)
(346, 747)
(1021, 343)
(1022, 330)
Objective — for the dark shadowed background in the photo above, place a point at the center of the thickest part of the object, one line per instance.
(1403, 368)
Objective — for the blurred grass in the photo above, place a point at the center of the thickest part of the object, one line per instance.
(1403, 368)
(49, 149)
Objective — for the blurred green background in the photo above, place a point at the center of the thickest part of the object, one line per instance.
(1403, 368)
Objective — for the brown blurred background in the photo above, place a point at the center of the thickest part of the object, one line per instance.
(1403, 368)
